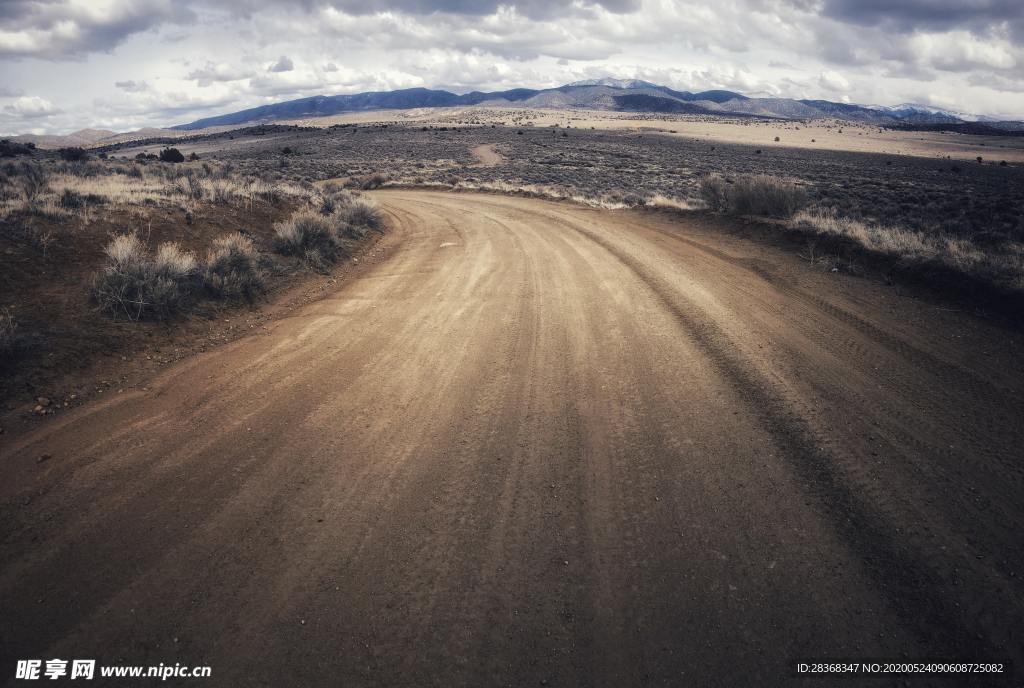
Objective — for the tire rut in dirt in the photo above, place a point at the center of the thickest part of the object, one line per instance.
(913, 587)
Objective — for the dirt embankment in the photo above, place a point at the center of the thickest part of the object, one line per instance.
(539, 445)
(69, 350)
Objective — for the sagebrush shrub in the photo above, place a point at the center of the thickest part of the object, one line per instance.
(232, 269)
(328, 205)
(373, 182)
(194, 187)
(73, 154)
(361, 214)
(171, 155)
(33, 181)
(762, 194)
(754, 194)
(713, 189)
(139, 288)
(307, 234)
(10, 149)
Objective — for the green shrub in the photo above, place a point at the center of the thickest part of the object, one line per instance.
(10, 149)
(171, 155)
(73, 154)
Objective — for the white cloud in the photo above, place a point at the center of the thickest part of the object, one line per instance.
(833, 81)
(32, 106)
(211, 73)
(961, 51)
(159, 62)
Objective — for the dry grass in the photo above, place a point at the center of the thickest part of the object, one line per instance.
(605, 202)
(60, 192)
(673, 203)
(1002, 265)
(173, 262)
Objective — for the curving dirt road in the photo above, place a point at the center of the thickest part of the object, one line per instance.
(539, 445)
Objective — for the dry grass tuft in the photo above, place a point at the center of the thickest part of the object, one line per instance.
(173, 262)
(671, 202)
(1002, 266)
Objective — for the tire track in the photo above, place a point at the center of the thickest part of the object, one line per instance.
(911, 582)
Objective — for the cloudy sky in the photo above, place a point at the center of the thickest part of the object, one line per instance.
(125, 64)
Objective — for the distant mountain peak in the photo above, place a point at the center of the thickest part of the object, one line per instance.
(629, 95)
(906, 109)
(615, 83)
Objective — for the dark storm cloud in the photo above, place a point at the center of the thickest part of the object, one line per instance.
(530, 8)
(283, 64)
(131, 86)
(930, 15)
(61, 29)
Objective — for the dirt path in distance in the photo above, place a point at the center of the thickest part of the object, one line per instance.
(487, 156)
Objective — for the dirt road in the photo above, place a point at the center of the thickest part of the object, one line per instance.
(539, 445)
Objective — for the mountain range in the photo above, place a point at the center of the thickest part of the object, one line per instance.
(621, 95)
(629, 95)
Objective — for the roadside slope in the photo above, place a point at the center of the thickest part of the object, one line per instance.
(539, 444)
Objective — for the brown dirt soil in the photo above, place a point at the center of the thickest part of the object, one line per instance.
(70, 350)
(539, 444)
(486, 155)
